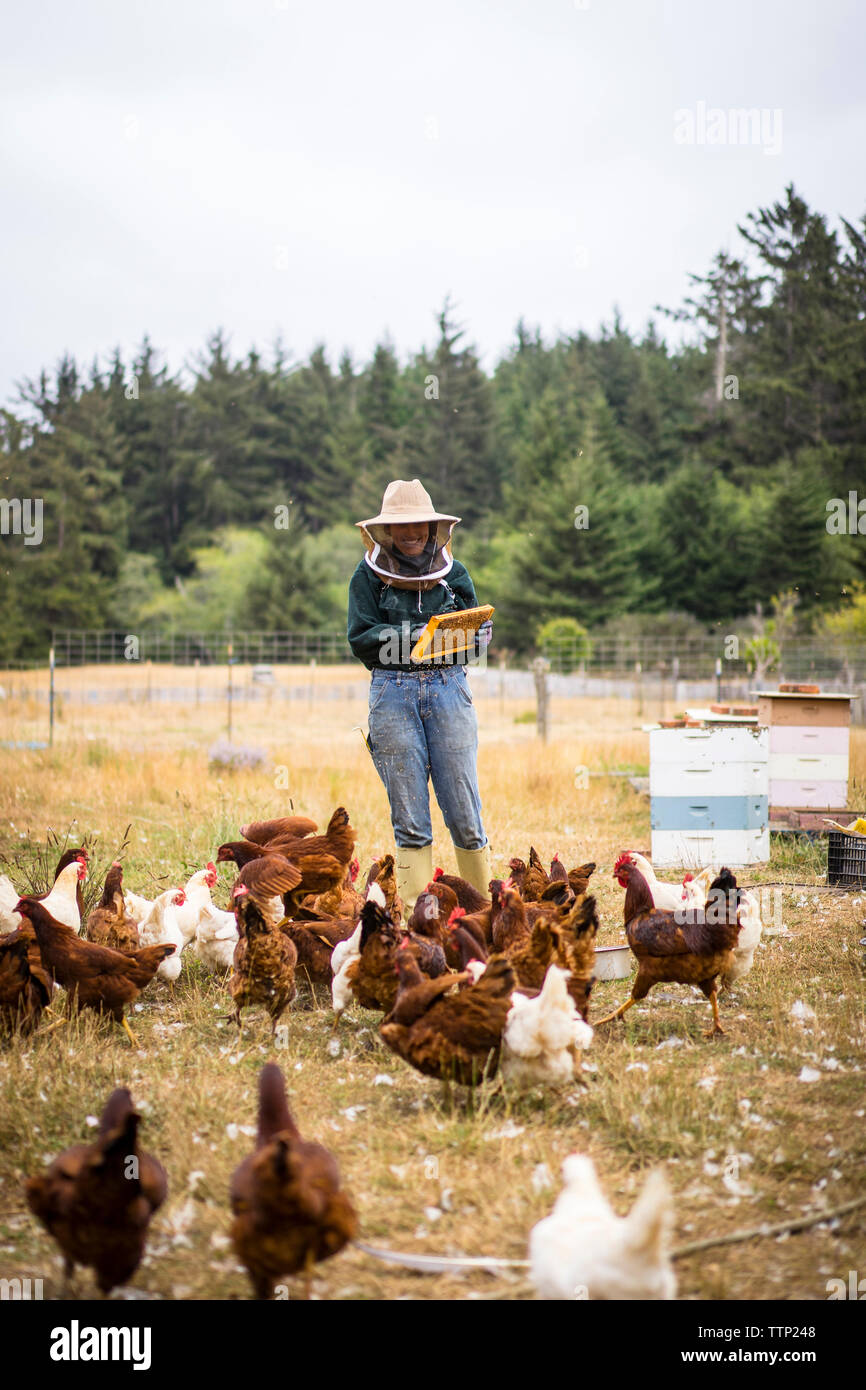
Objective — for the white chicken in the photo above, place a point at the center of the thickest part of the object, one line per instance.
(697, 886)
(669, 896)
(748, 915)
(137, 907)
(61, 902)
(198, 900)
(344, 955)
(160, 925)
(584, 1250)
(216, 936)
(751, 926)
(10, 920)
(543, 1037)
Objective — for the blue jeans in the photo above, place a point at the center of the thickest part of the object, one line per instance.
(421, 726)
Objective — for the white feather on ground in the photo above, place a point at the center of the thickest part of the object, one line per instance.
(543, 1037)
(584, 1250)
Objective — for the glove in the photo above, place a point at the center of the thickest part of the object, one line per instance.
(484, 635)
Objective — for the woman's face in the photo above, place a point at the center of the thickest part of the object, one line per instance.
(410, 537)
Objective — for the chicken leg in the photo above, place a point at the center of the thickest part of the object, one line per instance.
(617, 1013)
(717, 1030)
(128, 1031)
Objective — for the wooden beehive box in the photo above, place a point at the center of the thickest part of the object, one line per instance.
(709, 796)
(808, 750)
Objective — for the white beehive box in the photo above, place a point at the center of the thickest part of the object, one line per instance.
(709, 796)
(808, 748)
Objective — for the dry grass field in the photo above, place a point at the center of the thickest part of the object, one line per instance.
(744, 1137)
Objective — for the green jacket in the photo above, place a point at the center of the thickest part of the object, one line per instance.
(382, 618)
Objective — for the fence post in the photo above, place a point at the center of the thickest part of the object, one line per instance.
(51, 698)
(638, 671)
(229, 657)
(540, 669)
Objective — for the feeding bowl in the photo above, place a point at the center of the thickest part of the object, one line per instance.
(613, 962)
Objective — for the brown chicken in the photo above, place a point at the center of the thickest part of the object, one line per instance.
(480, 922)
(468, 897)
(261, 832)
(342, 901)
(578, 878)
(465, 946)
(372, 978)
(94, 977)
(577, 925)
(289, 1209)
(531, 956)
(264, 957)
(25, 985)
(96, 1200)
(511, 927)
(535, 879)
(469, 924)
(456, 1036)
(314, 942)
(426, 917)
(557, 870)
(383, 872)
(320, 860)
(109, 924)
(693, 953)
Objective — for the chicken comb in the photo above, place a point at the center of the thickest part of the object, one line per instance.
(437, 874)
(211, 868)
(624, 858)
(456, 913)
(687, 878)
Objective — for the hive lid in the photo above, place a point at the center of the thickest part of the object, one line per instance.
(792, 695)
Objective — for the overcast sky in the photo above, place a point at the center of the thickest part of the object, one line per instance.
(329, 170)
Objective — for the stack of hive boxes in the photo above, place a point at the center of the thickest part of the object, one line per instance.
(709, 796)
(808, 748)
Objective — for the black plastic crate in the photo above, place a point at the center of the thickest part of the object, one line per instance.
(846, 860)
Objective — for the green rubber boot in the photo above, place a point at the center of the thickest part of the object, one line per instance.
(414, 871)
(474, 866)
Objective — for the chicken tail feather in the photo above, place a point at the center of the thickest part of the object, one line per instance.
(274, 1114)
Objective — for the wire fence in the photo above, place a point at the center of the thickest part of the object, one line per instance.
(690, 659)
(82, 647)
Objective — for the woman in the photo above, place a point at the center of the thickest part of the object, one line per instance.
(422, 723)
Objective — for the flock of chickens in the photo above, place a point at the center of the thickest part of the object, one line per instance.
(468, 985)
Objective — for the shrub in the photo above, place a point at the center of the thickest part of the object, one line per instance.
(564, 642)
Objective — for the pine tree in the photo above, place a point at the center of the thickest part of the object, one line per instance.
(570, 562)
(451, 443)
